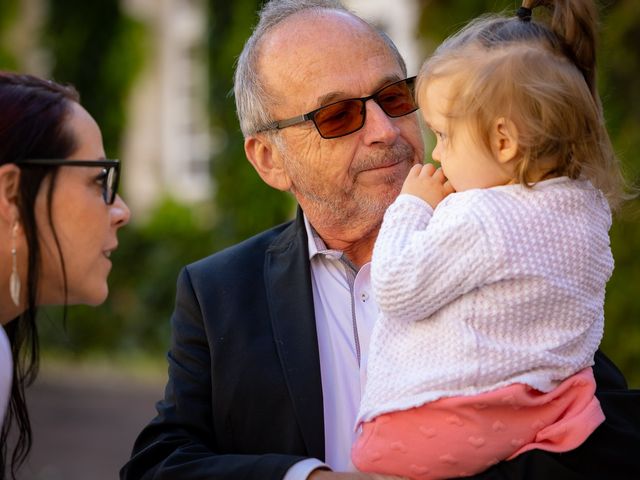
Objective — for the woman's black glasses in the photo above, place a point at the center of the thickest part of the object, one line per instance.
(110, 168)
(347, 116)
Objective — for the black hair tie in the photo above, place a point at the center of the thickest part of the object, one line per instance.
(524, 14)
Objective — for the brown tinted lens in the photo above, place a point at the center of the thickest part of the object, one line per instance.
(340, 118)
(397, 99)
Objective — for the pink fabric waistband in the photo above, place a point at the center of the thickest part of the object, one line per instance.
(460, 436)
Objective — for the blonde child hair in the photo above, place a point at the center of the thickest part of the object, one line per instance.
(541, 77)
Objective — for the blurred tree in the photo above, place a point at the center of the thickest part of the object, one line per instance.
(245, 204)
(619, 70)
(99, 49)
(8, 11)
(619, 66)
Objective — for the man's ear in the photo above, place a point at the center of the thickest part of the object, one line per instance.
(504, 140)
(9, 188)
(267, 160)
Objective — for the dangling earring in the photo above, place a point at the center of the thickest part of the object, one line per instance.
(14, 280)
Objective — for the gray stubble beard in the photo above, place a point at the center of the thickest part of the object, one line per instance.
(340, 208)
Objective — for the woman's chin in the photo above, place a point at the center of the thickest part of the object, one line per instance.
(91, 297)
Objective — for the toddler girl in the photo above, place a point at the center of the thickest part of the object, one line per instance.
(491, 298)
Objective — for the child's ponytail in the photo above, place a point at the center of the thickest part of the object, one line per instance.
(575, 22)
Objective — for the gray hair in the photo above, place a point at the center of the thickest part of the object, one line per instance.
(253, 101)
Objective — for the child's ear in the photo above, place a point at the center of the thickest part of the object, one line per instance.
(504, 140)
(268, 161)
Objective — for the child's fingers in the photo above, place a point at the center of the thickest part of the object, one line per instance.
(415, 170)
(448, 188)
(427, 170)
(439, 176)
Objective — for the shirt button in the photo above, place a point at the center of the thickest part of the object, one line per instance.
(364, 296)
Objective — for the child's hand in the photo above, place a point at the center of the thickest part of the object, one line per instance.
(427, 183)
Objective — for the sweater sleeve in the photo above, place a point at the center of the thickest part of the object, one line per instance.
(424, 259)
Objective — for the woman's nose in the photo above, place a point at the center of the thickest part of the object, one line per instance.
(120, 213)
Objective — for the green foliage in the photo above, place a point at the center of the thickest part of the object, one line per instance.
(100, 50)
(8, 10)
(245, 204)
(619, 67)
(622, 307)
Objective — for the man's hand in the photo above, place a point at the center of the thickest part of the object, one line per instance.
(328, 475)
(427, 183)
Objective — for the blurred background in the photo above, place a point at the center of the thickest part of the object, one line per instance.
(157, 77)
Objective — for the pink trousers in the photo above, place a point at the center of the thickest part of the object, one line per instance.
(461, 436)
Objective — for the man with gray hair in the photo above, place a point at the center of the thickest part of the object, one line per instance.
(270, 337)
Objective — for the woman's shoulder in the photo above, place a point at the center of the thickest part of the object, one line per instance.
(5, 347)
(6, 372)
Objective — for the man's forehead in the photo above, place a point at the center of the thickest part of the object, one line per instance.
(325, 51)
(317, 23)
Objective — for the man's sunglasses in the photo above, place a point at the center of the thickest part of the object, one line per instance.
(109, 178)
(347, 116)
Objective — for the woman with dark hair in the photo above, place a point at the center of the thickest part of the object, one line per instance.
(59, 217)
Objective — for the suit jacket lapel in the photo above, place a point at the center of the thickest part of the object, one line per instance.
(290, 297)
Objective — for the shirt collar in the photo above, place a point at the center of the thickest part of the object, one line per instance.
(317, 245)
(318, 249)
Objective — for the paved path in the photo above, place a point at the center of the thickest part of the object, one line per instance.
(85, 422)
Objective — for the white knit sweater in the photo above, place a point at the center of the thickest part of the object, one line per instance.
(495, 286)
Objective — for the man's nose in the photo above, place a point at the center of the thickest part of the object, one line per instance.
(379, 127)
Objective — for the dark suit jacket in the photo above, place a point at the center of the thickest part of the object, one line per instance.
(244, 396)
